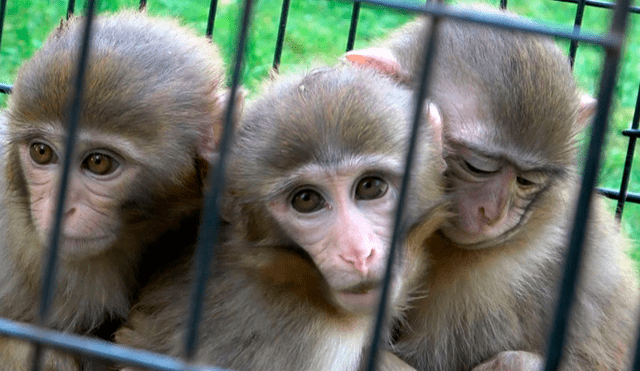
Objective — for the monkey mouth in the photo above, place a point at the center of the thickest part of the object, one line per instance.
(84, 246)
(363, 297)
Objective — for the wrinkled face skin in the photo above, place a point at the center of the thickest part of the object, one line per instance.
(490, 197)
(343, 217)
(102, 170)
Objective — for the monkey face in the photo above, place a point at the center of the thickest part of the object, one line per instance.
(491, 197)
(100, 173)
(343, 218)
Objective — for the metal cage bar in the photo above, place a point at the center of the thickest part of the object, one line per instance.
(50, 265)
(628, 162)
(573, 48)
(420, 100)
(209, 230)
(355, 14)
(284, 16)
(213, 6)
(3, 9)
(574, 255)
(601, 4)
(208, 234)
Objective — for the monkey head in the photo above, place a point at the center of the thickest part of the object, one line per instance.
(330, 148)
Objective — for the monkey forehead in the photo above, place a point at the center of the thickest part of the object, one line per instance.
(327, 115)
(146, 78)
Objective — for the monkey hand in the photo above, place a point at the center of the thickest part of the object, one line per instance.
(16, 355)
(513, 361)
(391, 362)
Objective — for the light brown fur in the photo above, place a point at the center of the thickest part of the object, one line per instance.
(143, 99)
(270, 303)
(511, 95)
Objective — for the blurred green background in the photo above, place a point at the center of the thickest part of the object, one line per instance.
(317, 33)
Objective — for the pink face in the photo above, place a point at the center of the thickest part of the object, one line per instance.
(343, 216)
(490, 197)
(99, 177)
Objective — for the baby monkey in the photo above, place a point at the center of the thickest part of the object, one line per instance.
(148, 129)
(313, 183)
(511, 112)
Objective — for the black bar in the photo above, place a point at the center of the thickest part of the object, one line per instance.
(209, 227)
(355, 14)
(504, 22)
(213, 6)
(71, 6)
(95, 347)
(601, 4)
(573, 48)
(614, 194)
(143, 4)
(49, 266)
(5, 88)
(398, 229)
(3, 8)
(503, 4)
(574, 254)
(284, 15)
(633, 134)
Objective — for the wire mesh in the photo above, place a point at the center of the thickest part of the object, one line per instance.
(612, 42)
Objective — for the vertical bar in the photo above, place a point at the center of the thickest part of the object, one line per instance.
(49, 266)
(398, 229)
(503, 4)
(624, 184)
(209, 227)
(573, 48)
(143, 4)
(574, 254)
(70, 8)
(213, 6)
(355, 14)
(3, 8)
(284, 15)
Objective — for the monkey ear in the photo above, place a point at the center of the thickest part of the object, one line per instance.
(379, 59)
(586, 110)
(434, 119)
(210, 142)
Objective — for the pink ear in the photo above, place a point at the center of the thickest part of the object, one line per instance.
(379, 59)
(586, 110)
(435, 121)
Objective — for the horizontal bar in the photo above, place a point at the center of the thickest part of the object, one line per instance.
(614, 194)
(631, 132)
(601, 4)
(503, 21)
(5, 88)
(96, 347)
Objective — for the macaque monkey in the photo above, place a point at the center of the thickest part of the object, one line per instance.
(149, 127)
(511, 112)
(312, 187)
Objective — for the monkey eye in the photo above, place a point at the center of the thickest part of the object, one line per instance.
(307, 201)
(479, 169)
(370, 188)
(524, 182)
(100, 164)
(42, 154)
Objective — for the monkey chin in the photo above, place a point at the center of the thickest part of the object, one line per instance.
(74, 248)
(487, 237)
(362, 303)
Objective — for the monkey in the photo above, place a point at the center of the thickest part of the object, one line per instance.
(313, 181)
(150, 122)
(511, 112)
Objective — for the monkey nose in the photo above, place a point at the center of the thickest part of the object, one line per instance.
(489, 218)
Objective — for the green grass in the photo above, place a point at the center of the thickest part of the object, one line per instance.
(317, 34)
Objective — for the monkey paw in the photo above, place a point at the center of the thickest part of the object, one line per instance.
(513, 361)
